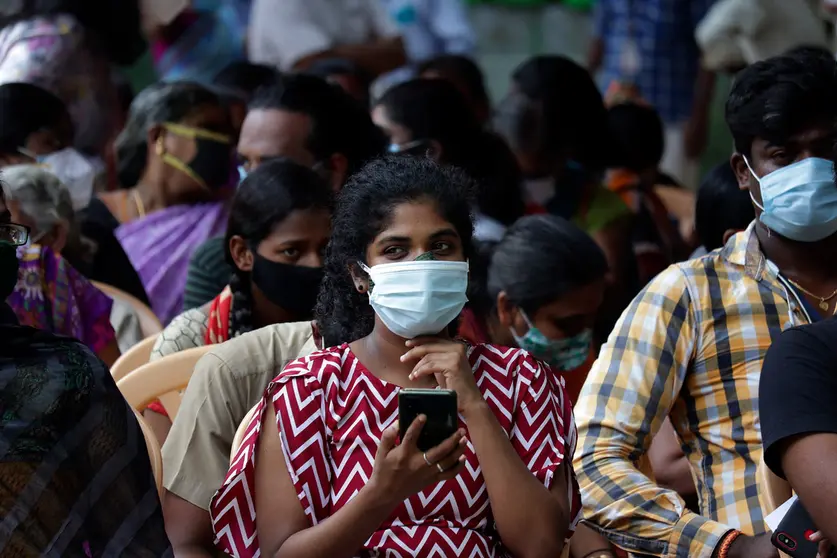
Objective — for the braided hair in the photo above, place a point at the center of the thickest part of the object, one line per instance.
(364, 208)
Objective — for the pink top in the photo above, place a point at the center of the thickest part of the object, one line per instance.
(331, 413)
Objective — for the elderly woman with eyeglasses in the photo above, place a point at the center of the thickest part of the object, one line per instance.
(50, 294)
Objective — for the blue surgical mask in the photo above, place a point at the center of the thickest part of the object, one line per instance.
(420, 297)
(800, 200)
(562, 354)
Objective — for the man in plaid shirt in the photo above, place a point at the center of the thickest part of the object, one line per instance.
(691, 344)
(650, 45)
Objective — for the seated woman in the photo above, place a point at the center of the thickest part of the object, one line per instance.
(174, 158)
(76, 476)
(51, 295)
(37, 199)
(431, 117)
(35, 127)
(546, 282)
(331, 479)
(279, 226)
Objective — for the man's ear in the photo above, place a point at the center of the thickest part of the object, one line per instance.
(742, 172)
(338, 166)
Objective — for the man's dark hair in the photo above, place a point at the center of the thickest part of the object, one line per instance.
(434, 109)
(721, 206)
(565, 100)
(339, 124)
(461, 69)
(638, 136)
(245, 78)
(24, 109)
(780, 97)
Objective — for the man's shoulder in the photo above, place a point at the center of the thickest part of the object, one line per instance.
(262, 351)
(209, 252)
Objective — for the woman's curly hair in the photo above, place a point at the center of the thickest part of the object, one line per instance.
(364, 209)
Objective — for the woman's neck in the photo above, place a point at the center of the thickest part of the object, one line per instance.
(150, 193)
(381, 352)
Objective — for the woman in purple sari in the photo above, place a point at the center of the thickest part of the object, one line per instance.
(174, 159)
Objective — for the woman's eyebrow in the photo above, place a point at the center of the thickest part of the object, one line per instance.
(444, 232)
(394, 239)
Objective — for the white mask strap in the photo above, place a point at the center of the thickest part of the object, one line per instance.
(749, 168)
(364, 267)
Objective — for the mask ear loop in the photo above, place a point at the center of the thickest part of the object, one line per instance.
(752, 197)
(526, 318)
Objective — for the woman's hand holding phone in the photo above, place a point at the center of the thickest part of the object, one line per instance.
(403, 470)
(447, 360)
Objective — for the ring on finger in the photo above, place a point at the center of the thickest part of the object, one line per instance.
(439, 466)
(429, 463)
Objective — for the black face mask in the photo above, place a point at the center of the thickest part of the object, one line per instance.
(212, 162)
(9, 265)
(291, 287)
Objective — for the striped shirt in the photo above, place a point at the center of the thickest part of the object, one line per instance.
(690, 346)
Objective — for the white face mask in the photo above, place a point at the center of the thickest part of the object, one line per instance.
(76, 173)
(419, 297)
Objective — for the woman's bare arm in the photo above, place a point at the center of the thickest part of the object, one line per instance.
(284, 530)
(531, 519)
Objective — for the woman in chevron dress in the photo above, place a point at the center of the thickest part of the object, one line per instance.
(323, 444)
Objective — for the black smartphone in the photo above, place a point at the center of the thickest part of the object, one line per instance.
(791, 537)
(438, 405)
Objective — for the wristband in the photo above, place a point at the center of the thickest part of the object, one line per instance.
(726, 543)
(603, 553)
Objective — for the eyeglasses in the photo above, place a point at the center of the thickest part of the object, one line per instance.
(14, 234)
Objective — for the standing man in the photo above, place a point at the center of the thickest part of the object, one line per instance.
(691, 344)
(292, 34)
(649, 46)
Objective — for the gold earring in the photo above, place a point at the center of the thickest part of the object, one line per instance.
(160, 147)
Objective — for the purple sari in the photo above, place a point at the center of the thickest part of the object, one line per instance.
(160, 246)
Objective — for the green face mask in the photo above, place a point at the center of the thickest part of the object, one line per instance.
(8, 269)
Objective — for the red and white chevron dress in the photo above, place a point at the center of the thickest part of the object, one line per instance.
(331, 413)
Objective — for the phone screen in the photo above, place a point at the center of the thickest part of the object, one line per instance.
(438, 405)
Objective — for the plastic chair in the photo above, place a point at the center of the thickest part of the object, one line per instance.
(163, 379)
(242, 428)
(133, 358)
(773, 491)
(149, 323)
(155, 454)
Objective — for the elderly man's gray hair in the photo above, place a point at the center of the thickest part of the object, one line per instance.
(41, 196)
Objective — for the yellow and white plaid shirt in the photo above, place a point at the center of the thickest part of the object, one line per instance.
(690, 346)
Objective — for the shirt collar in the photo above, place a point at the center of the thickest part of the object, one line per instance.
(744, 250)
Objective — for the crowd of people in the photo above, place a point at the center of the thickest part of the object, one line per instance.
(347, 215)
